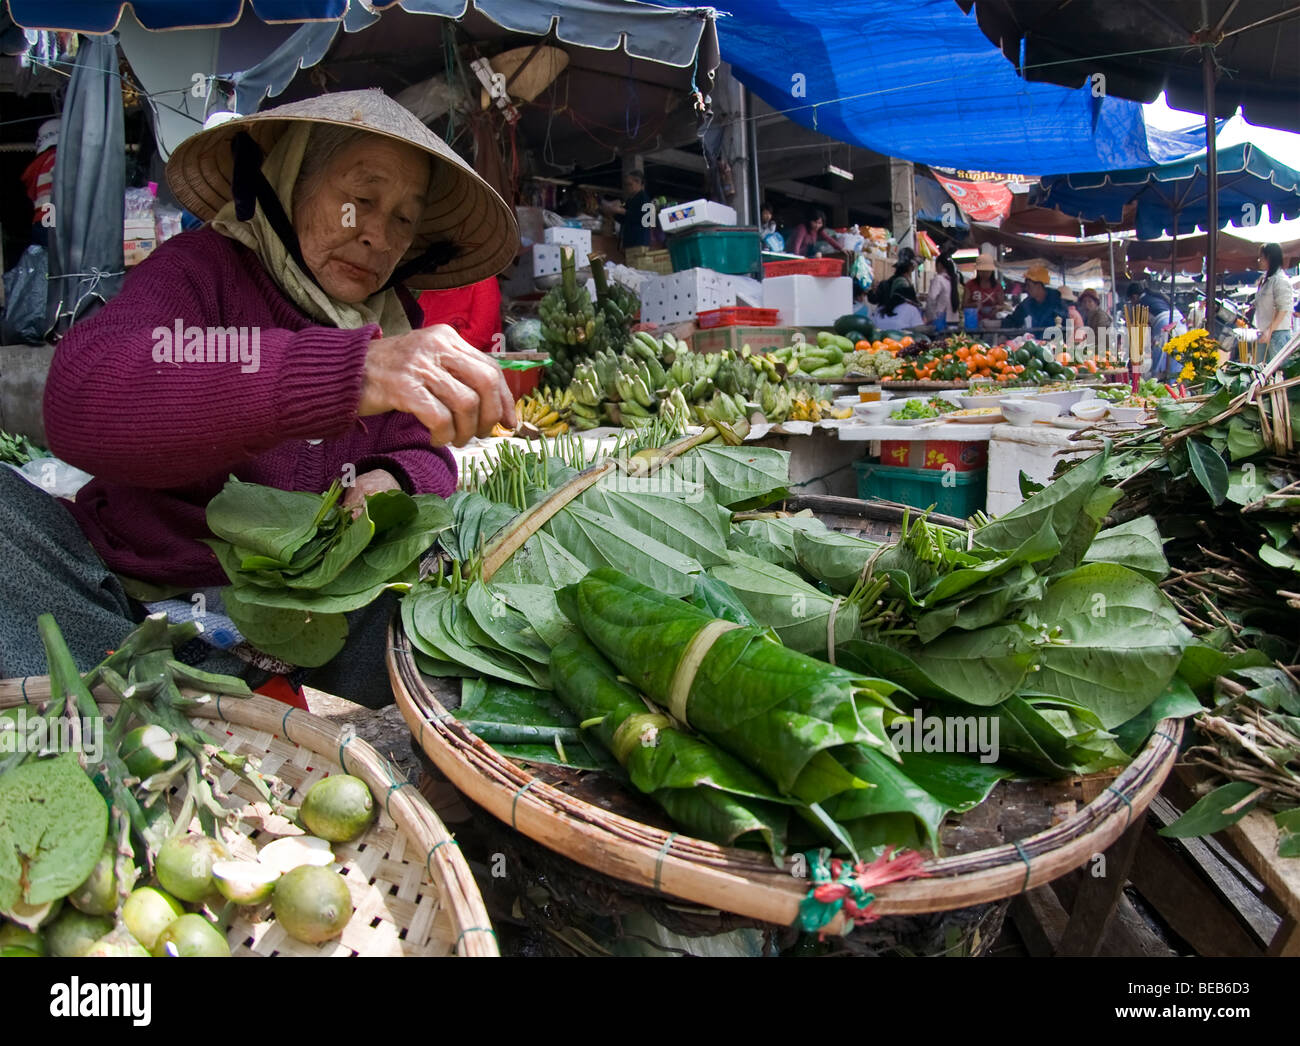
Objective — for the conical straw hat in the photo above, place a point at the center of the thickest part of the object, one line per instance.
(462, 208)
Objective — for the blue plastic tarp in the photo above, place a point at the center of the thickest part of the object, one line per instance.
(935, 205)
(669, 34)
(1248, 179)
(917, 79)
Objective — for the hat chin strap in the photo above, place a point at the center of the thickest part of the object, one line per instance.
(249, 187)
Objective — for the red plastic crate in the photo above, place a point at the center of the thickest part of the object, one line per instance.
(934, 454)
(737, 316)
(805, 267)
(522, 382)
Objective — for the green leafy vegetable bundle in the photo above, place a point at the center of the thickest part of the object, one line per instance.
(1221, 476)
(298, 562)
(773, 707)
(703, 789)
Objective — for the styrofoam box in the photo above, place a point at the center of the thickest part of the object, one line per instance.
(808, 301)
(676, 298)
(698, 212)
(578, 239)
(546, 259)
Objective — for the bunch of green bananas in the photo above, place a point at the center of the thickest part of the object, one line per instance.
(675, 411)
(775, 401)
(647, 350)
(693, 373)
(571, 327)
(721, 408)
(617, 304)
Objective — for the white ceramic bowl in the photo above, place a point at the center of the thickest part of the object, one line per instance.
(991, 400)
(1027, 411)
(1089, 410)
(1067, 398)
(1128, 414)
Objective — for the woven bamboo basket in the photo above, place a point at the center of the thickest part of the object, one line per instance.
(412, 891)
(587, 828)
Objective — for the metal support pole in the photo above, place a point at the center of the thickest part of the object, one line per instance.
(1212, 191)
(751, 151)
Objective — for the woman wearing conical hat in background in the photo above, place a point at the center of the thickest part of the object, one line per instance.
(984, 290)
(318, 215)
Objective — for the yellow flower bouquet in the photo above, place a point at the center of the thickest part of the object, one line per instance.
(1197, 352)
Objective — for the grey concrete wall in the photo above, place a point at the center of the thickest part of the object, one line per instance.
(22, 387)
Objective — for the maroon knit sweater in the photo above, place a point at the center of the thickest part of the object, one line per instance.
(161, 438)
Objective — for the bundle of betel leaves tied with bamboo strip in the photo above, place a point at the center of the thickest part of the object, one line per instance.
(1220, 475)
(655, 616)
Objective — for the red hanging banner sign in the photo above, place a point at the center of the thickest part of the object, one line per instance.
(983, 201)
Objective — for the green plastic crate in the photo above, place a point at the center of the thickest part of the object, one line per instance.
(722, 248)
(952, 493)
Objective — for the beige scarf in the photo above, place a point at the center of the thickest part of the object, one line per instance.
(281, 169)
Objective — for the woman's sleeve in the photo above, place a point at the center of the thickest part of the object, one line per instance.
(126, 404)
(401, 446)
(1283, 298)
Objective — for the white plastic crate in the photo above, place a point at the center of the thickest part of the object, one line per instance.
(808, 301)
(697, 212)
(677, 298)
(578, 239)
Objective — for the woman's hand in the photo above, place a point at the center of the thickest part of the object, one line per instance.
(364, 485)
(456, 391)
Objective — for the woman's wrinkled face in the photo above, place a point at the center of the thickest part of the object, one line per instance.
(359, 218)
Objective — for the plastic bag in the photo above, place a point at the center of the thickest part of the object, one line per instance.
(26, 287)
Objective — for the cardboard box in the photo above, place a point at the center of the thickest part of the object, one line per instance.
(808, 301)
(138, 249)
(578, 239)
(697, 212)
(677, 298)
(759, 339)
(961, 456)
(647, 259)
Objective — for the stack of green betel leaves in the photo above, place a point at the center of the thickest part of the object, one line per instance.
(298, 562)
(1221, 475)
(770, 682)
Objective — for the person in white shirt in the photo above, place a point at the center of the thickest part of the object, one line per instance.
(1273, 301)
(943, 302)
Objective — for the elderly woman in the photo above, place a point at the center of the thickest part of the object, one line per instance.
(318, 213)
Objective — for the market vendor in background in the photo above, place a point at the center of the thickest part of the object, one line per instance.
(1165, 322)
(635, 211)
(1041, 307)
(984, 291)
(336, 203)
(895, 298)
(1074, 322)
(473, 312)
(943, 301)
(812, 238)
(1098, 321)
(1273, 300)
